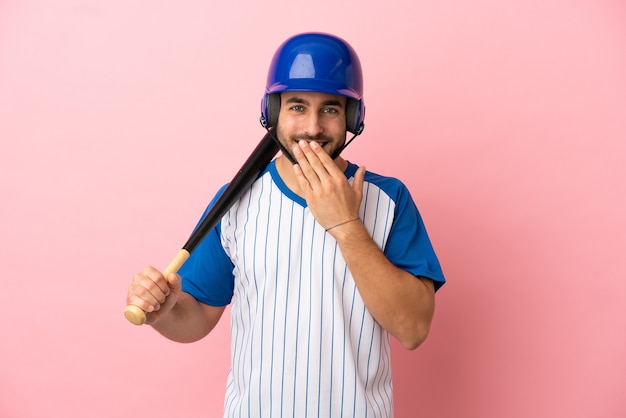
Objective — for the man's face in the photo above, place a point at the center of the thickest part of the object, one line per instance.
(311, 116)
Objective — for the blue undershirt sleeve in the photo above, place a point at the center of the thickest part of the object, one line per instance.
(207, 273)
(409, 246)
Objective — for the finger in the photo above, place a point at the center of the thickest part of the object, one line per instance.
(302, 180)
(319, 160)
(157, 277)
(326, 161)
(174, 282)
(148, 290)
(306, 159)
(139, 296)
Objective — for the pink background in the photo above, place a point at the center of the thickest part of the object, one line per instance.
(506, 119)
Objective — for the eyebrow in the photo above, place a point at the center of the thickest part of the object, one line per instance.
(302, 101)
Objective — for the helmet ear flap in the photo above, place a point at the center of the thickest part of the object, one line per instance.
(270, 110)
(354, 116)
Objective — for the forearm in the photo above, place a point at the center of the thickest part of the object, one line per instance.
(187, 321)
(400, 302)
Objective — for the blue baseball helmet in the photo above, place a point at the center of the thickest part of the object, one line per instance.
(316, 62)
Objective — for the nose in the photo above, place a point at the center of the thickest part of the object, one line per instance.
(313, 124)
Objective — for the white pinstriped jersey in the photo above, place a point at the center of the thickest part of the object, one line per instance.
(303, 343)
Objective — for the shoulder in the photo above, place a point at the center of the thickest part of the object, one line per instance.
(391, 186)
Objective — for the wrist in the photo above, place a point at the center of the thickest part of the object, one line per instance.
(356, 218)
(349, 231)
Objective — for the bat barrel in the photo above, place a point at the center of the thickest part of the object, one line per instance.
(247, 174)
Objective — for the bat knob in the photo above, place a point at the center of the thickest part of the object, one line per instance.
(135, 315)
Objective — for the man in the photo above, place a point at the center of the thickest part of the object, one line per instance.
(320, 259)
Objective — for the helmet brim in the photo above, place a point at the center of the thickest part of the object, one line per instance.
(312, 85)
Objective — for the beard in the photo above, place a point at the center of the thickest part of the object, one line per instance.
(332, 146)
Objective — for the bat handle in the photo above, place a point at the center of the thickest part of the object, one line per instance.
(135, 314)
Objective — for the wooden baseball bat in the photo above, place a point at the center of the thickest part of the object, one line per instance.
(247, 174)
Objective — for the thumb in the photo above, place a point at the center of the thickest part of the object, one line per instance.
(175, 283)
(359, 179)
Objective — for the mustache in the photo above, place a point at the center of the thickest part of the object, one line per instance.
(318, 137)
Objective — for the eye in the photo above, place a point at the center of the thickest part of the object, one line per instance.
(330, 110)
(297, 108)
